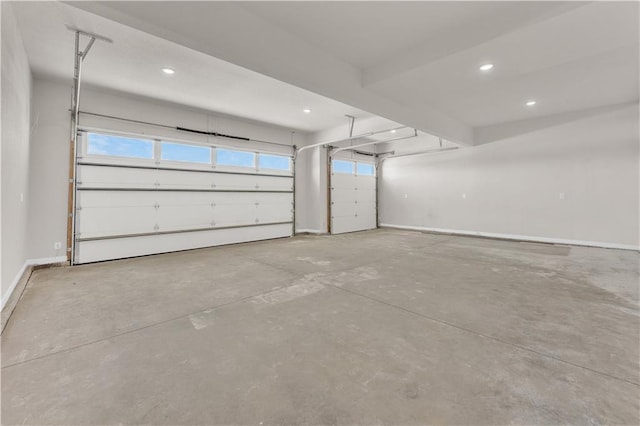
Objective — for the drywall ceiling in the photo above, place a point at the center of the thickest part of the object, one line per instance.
(581, 59)
(416, 63)
(133, 64)
(372, 33)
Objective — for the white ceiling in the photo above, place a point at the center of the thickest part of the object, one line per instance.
(581, 59)
(133, 64)
(415, 63)
(367, 34)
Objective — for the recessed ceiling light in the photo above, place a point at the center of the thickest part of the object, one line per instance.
(393, 130)
(530, 103)
(168, 70)
(306, 110)
(486, 67)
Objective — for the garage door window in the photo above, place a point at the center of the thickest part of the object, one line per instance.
(118, 146)
(274, 162)
(227, 157)
(364, 169)
(346, 167)
(182, 152)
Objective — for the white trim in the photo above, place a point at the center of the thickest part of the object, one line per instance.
(310, 231)
(516, 237)
(28, 263)
(12, 287)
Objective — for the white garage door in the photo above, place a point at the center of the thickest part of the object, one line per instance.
(136, 197)
(353, 196)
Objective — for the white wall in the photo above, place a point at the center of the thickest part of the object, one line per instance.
(50, 145)
(49, 170)
(514, 186)
(311, 191)
(15, 91)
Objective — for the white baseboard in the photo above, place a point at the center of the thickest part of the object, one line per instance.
(27, 264)
(516, 237)
(310, 231)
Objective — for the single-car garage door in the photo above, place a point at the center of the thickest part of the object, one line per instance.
(137, 196)
(353, 196)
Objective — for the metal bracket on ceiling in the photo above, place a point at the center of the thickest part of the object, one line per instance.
(89, 34)
(352, 121)
(353, 147)
(92, 39)
(361, 136)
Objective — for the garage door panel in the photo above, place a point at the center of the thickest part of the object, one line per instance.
(366, 209)
(346, 224)
(343, 195)
(283, 198)
(366, 221)
(118, 248)
(90, 176)
(104, 213)
(179, 179)
(234, 210)
(173, 179)
(343, 181)
(346, 195)
(275, 209)
(249, 182)
(183, 211)
(366, 183)
(115, 198)
(96, 176)
(365, 196)
(96, 223)
(343, 209)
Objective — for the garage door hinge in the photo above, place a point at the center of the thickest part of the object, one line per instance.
(257, 220)
(257, 186)
(78, 209)
(213, 223)
(213, 185)
(156, 206)
(156, 184)
(213, 205)
(156, 228)
(257, 204)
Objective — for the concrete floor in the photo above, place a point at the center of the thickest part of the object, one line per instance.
(380, 327)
